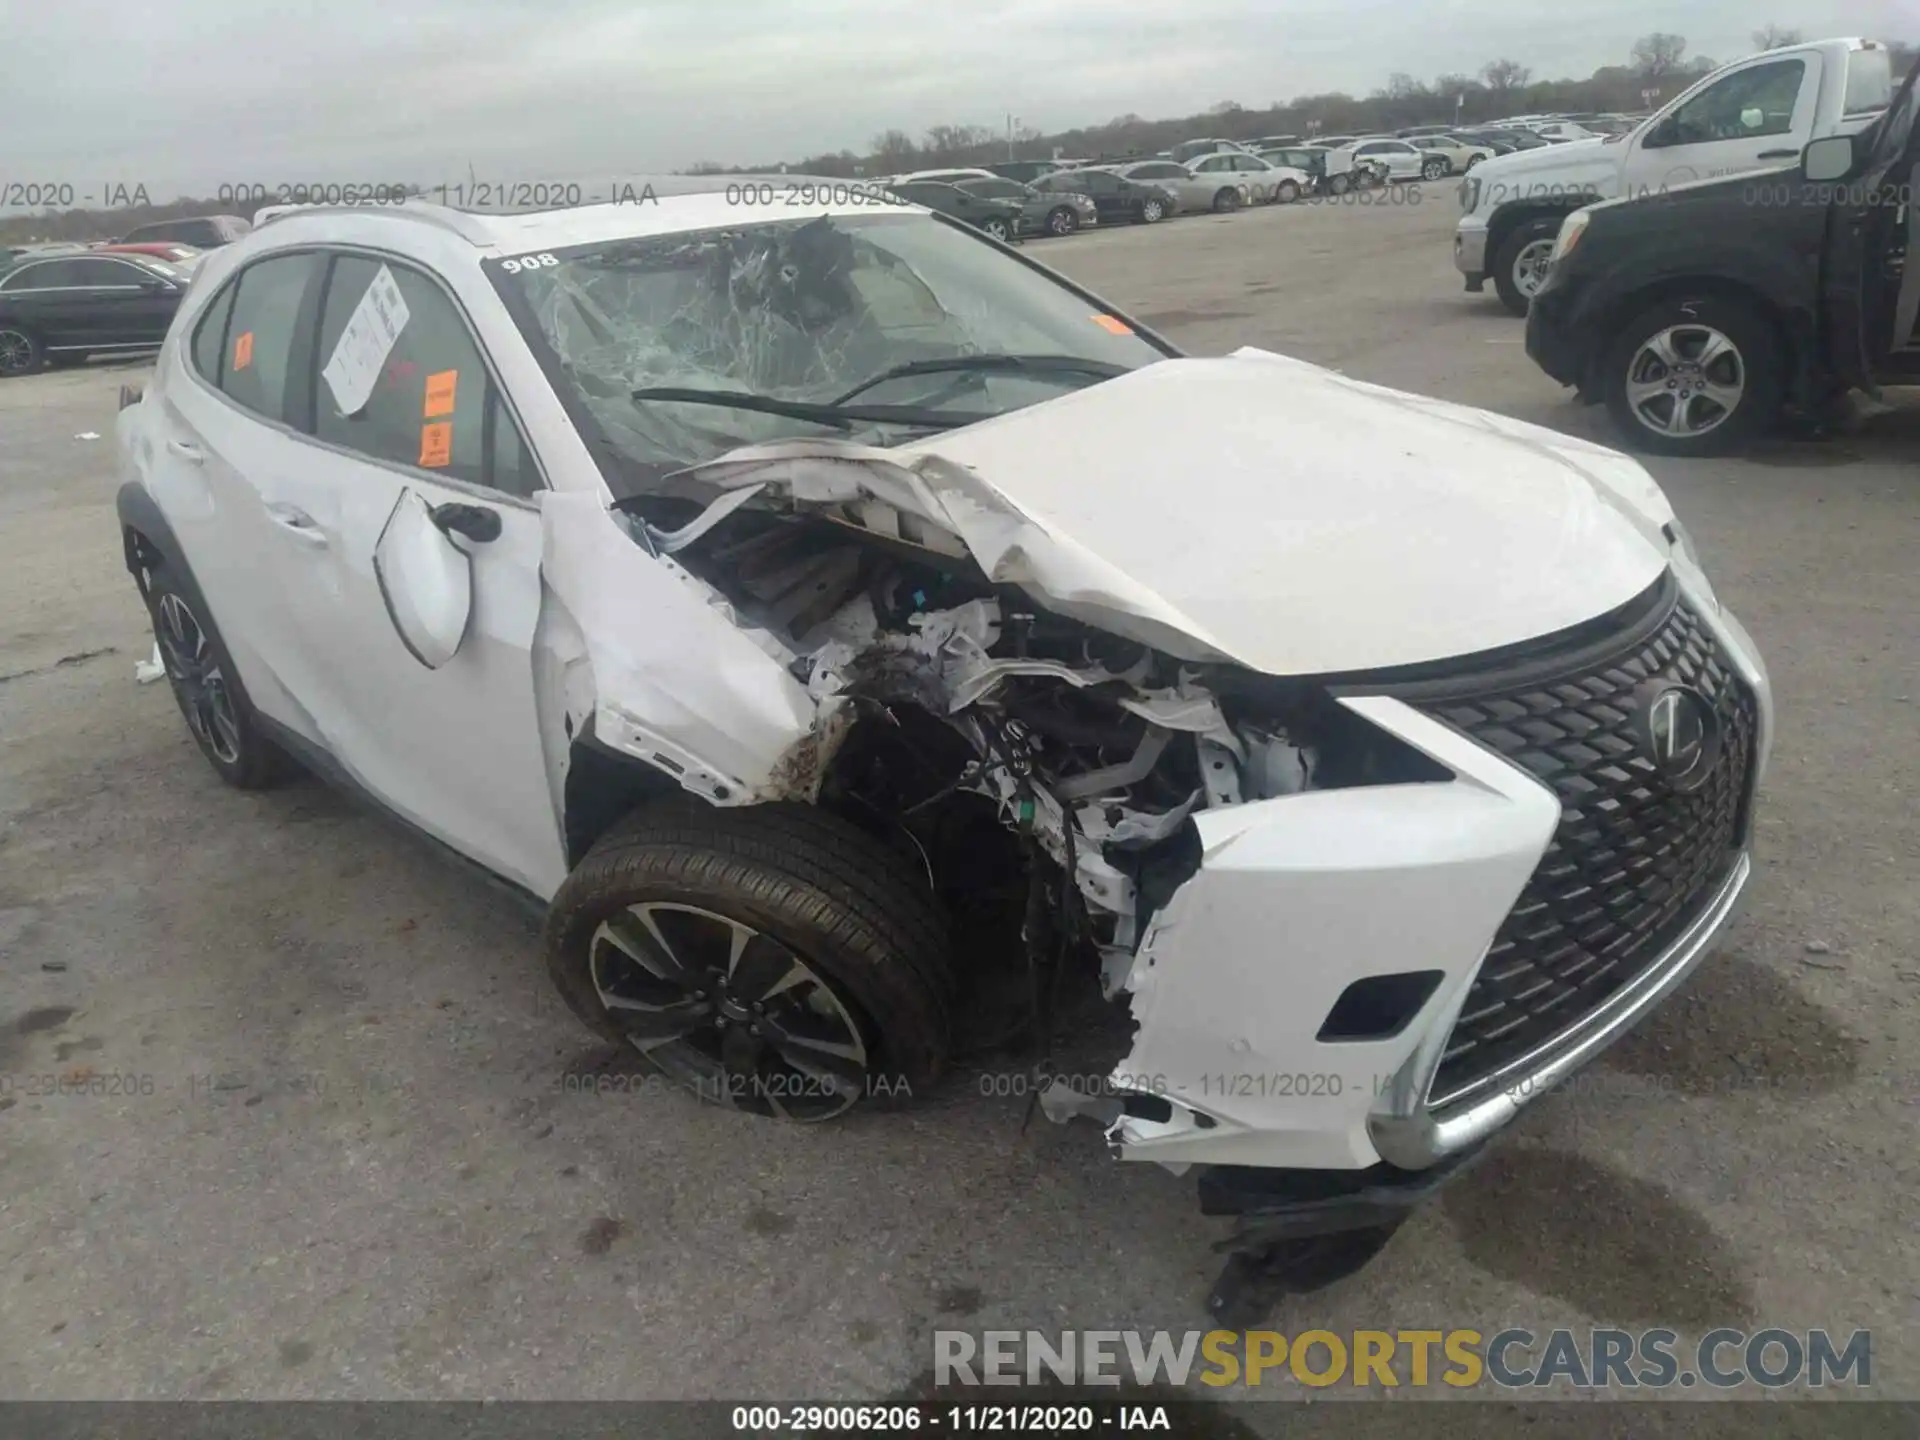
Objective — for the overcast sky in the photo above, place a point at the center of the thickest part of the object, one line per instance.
(190, 94)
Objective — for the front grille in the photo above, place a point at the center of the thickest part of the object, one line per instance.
(1633, 860)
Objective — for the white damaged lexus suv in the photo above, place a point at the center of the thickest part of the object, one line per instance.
(750, 589)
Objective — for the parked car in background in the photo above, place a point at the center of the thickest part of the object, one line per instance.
(59, 309)
(1561, 131)
(1042, 212)
(951, 176)
(1025, 171)
(1700, 315)
(1334, 142)
(1192, 192)
(1275, 142)
(1460, 155)
(1003, 219)
(1265, 182)
(1502, 141)
(1396, 160)
(1117, 199)
(159, 249)
(204, 232)
(1188, 151)
(1755, 114)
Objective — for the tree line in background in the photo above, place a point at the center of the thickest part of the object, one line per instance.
(1658, 67)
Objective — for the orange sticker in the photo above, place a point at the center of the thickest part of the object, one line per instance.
(1112, 326)
(243, 351)
(436, 445)
(440, 388)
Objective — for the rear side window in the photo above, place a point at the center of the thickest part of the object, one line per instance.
(210, 336)
(433, 405)
(255, 367)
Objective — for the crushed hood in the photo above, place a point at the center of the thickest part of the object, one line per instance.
(1268, 512)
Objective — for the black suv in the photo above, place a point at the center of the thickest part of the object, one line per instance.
(1702, 314)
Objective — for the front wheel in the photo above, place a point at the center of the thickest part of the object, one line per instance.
(1152, 212)
(998, 229)
(1062, 221)
(1434, 170)
(1520, 264)
(775, 959)
(1287, 193)
(1695, 375)
(1226, 199)
(1340, 184)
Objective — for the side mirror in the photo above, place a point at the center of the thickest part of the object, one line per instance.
(1829, 158)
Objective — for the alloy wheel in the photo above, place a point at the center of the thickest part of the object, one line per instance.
(194, 670)
(729, 1011)
(1530, 266)
(1686, 381)
(1060, 222)
(16, 353)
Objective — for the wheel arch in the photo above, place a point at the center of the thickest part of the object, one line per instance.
(145, 535)
(604, 786)
(1509, 218)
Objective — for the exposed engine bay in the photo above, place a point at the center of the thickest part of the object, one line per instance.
(939, 687)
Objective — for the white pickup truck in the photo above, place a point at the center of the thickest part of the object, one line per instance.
(1755, 114)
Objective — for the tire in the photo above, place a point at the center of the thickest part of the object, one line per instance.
(1518, 253)
(205, 684)
(1287, 193)
(998, 229)
(1062, 221)
(1340, 184)
(1435, 170)
(1472, 160)
(856, 916)
(1227, 198)
(1639, 386)
(20, 352)
(1152, 211)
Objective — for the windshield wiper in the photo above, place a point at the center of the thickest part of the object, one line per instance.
(948, 364)
(833, 414)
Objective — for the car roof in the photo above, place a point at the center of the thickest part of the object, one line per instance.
(658, 205)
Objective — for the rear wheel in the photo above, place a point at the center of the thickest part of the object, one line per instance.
(20, 352)
(1152, 211)
(774, 959)
(1340, 184)
(1694, 375)
(1287, 193)
(1225, 199)
(1520, 264)
(205, 683)
(1062, 221)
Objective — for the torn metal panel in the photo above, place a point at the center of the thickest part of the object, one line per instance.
(1296, 898)
(673, 681)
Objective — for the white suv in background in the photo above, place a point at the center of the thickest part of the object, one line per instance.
(712, 579)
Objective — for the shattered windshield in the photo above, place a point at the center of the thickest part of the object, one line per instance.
(803, 315)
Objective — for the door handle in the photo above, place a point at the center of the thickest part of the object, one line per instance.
(476, 522)
(192, 454)
(297, 523)
(1776, 155)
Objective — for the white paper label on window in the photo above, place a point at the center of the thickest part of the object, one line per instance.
(372, 331)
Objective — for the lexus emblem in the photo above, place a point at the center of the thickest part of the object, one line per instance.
(1679, 733)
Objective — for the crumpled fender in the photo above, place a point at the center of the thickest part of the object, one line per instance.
(671, 680)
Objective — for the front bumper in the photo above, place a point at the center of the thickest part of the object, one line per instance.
(1558, 340)
(1299, 897)
(1470, 251)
